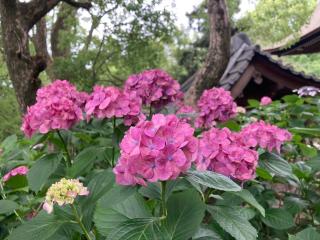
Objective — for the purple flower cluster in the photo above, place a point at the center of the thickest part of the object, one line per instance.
(155, 150)
(215, 104)
(108, 102)
(155, 87)
(221, 152)
(58, 106)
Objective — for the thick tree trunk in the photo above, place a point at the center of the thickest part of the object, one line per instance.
(23, 69)
(218, 53)
(17, 18)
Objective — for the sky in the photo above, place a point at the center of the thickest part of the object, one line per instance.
(181, 7)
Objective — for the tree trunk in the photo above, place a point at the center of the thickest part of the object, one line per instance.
(17, 18)
(23, 69)
(217, 57)
(39, 40)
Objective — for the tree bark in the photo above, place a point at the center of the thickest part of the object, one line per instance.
(23, 69)
(217, 57)
(39, 40)
(17, 18)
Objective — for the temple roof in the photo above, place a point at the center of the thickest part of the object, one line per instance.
(309, 39)
(245, 54)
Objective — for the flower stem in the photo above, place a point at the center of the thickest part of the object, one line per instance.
(68, 161)
(78, 219)
(4, 197)
(113, 141)
(150, 111)
(163, 199)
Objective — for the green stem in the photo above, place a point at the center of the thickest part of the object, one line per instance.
(78, 219)
(150, 111)
(163, 199)
(68, 161)
(113, 142)
(4, 197)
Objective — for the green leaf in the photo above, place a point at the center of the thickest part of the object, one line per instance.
(205, 233)
(233, 222)
(264, 174)
(213, 180)
(275, 164)
(307, 131)
(7, 206)
(249, 198)
(278, 218)
(306, 234)
(253, 103)
(42, 227)
(153, 190)
(98, 186)
(294, 205)
(83, 162)
(185, 213)
(138, 229)
(110, 215)
(308, 151)
(41, 171)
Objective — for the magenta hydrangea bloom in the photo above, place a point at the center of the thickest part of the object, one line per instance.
(156, 150)
(22, 170)
(155, 87)
(221, 152)
(265, 101)
(215, 104)
(264, 135)
(62, 88)
(58, 106)
(108, 102)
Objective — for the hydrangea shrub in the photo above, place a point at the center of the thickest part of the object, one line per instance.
(113, 164)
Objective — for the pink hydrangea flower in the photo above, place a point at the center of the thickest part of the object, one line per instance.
(265, 101)
(221, 152)
(156, 150)
(186, 113)
(215, 104)
(155, 87)
(22, 170)
(108, 102)
(62, 88)
(58, 106)
(264, 135)
(51, 114)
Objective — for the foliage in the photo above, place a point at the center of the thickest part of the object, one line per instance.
(280, 202)
(287, 18)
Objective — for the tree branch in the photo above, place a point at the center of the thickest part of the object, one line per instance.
(33, 11)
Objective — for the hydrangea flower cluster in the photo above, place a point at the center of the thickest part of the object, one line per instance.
(22, 170)
(154, 150)
(307, 91)
(221, 152)
(61, 89)
(155, 87)
(215, 104)
(58, 106)
(63, 192)
(265, 101)
(108, 102)
(264, 135)
(186, 113)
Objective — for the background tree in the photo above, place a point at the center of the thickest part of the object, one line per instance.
(17, 19)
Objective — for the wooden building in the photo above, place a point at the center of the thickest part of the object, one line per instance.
(252, 73)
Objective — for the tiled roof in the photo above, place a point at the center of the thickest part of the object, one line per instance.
(242, 54)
